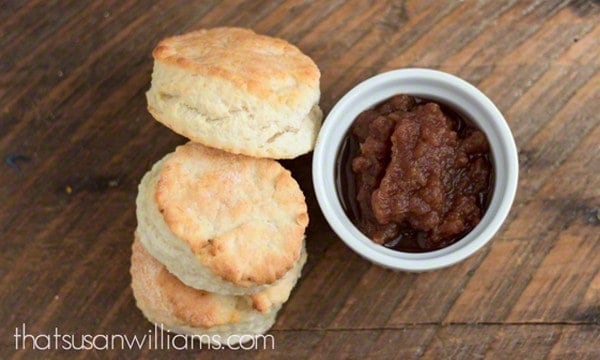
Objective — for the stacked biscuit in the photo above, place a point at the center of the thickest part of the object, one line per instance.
(220, 238)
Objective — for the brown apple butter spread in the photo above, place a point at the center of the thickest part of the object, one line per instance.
(413, 175)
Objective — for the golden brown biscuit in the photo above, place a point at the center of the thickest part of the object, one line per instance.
(225, 223)
(165, 300)
(235, 90)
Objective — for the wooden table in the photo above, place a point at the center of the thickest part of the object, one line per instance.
(76, 138)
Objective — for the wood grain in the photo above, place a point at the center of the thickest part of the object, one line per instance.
(72, 113)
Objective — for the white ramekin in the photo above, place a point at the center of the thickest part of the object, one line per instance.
(447, 89)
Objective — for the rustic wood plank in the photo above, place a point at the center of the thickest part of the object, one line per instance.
(550, 147)
(361, 60)
(498, 281)
(568, 268)
(72, 100)
(576, 179)
(555, 88)
(509, 342)
(374, 299)
(514, 72)
(460, 28)
(308, 309)
(432, 294)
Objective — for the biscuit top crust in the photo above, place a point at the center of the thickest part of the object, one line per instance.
(243, 217)
(267, 67)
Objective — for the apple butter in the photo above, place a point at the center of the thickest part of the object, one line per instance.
(413, 175)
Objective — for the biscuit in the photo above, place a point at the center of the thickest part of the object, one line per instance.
(220, 222)
(235, 90)
(166, 301)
